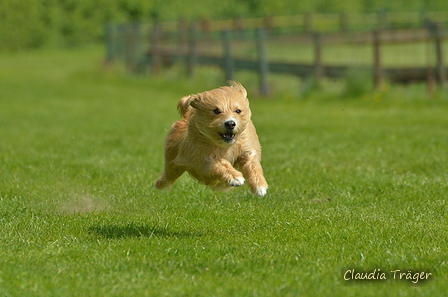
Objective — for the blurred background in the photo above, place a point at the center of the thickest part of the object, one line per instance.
(36, 23)
(400, 41)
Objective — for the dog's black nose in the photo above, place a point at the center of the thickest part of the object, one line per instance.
(230, 125)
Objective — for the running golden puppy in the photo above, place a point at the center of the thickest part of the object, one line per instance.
(214, 140)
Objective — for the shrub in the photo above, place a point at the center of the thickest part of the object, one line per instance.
(358, 82)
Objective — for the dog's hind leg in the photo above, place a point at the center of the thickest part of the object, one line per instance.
(168, 177)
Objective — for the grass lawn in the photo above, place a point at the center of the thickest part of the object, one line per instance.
(355, 184)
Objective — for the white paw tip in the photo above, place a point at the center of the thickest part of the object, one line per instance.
(236, 182)
(261, 191)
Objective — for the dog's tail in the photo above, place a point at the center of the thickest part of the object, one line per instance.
(184, 105)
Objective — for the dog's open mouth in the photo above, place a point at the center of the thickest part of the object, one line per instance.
(227, 137)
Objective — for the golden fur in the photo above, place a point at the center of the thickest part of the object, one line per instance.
(215, 142)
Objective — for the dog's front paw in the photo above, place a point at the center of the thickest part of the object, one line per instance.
(237, 181)
(261, 191)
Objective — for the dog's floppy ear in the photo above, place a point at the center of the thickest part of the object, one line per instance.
(184, 104)
(195, 101)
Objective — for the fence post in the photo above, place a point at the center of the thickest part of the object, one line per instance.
(439, 52)
(430, 71)
(263, 62)
(128, 45)
(228, 60)
(110, 43)
(344, 22)
(181, 33)
(431, 81)
(383, 19)
(238, 26)
(318, 65)
(205, 25)
(156, 60)
(192, 50)
(269, 23)
(133, 44)
(308, 25)
(378, 75)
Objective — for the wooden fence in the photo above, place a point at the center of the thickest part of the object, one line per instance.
(148, 48)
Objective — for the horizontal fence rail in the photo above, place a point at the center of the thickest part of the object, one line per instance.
(246, 44)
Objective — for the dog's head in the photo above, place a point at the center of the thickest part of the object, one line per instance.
(221, 114)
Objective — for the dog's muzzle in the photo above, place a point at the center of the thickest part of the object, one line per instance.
(229, 135)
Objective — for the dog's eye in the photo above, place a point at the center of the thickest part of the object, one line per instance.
(217, 111)
(238, 111)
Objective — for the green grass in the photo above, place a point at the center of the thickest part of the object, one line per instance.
(355, 183)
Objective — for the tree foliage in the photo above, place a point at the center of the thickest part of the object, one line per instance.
(35, 23)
